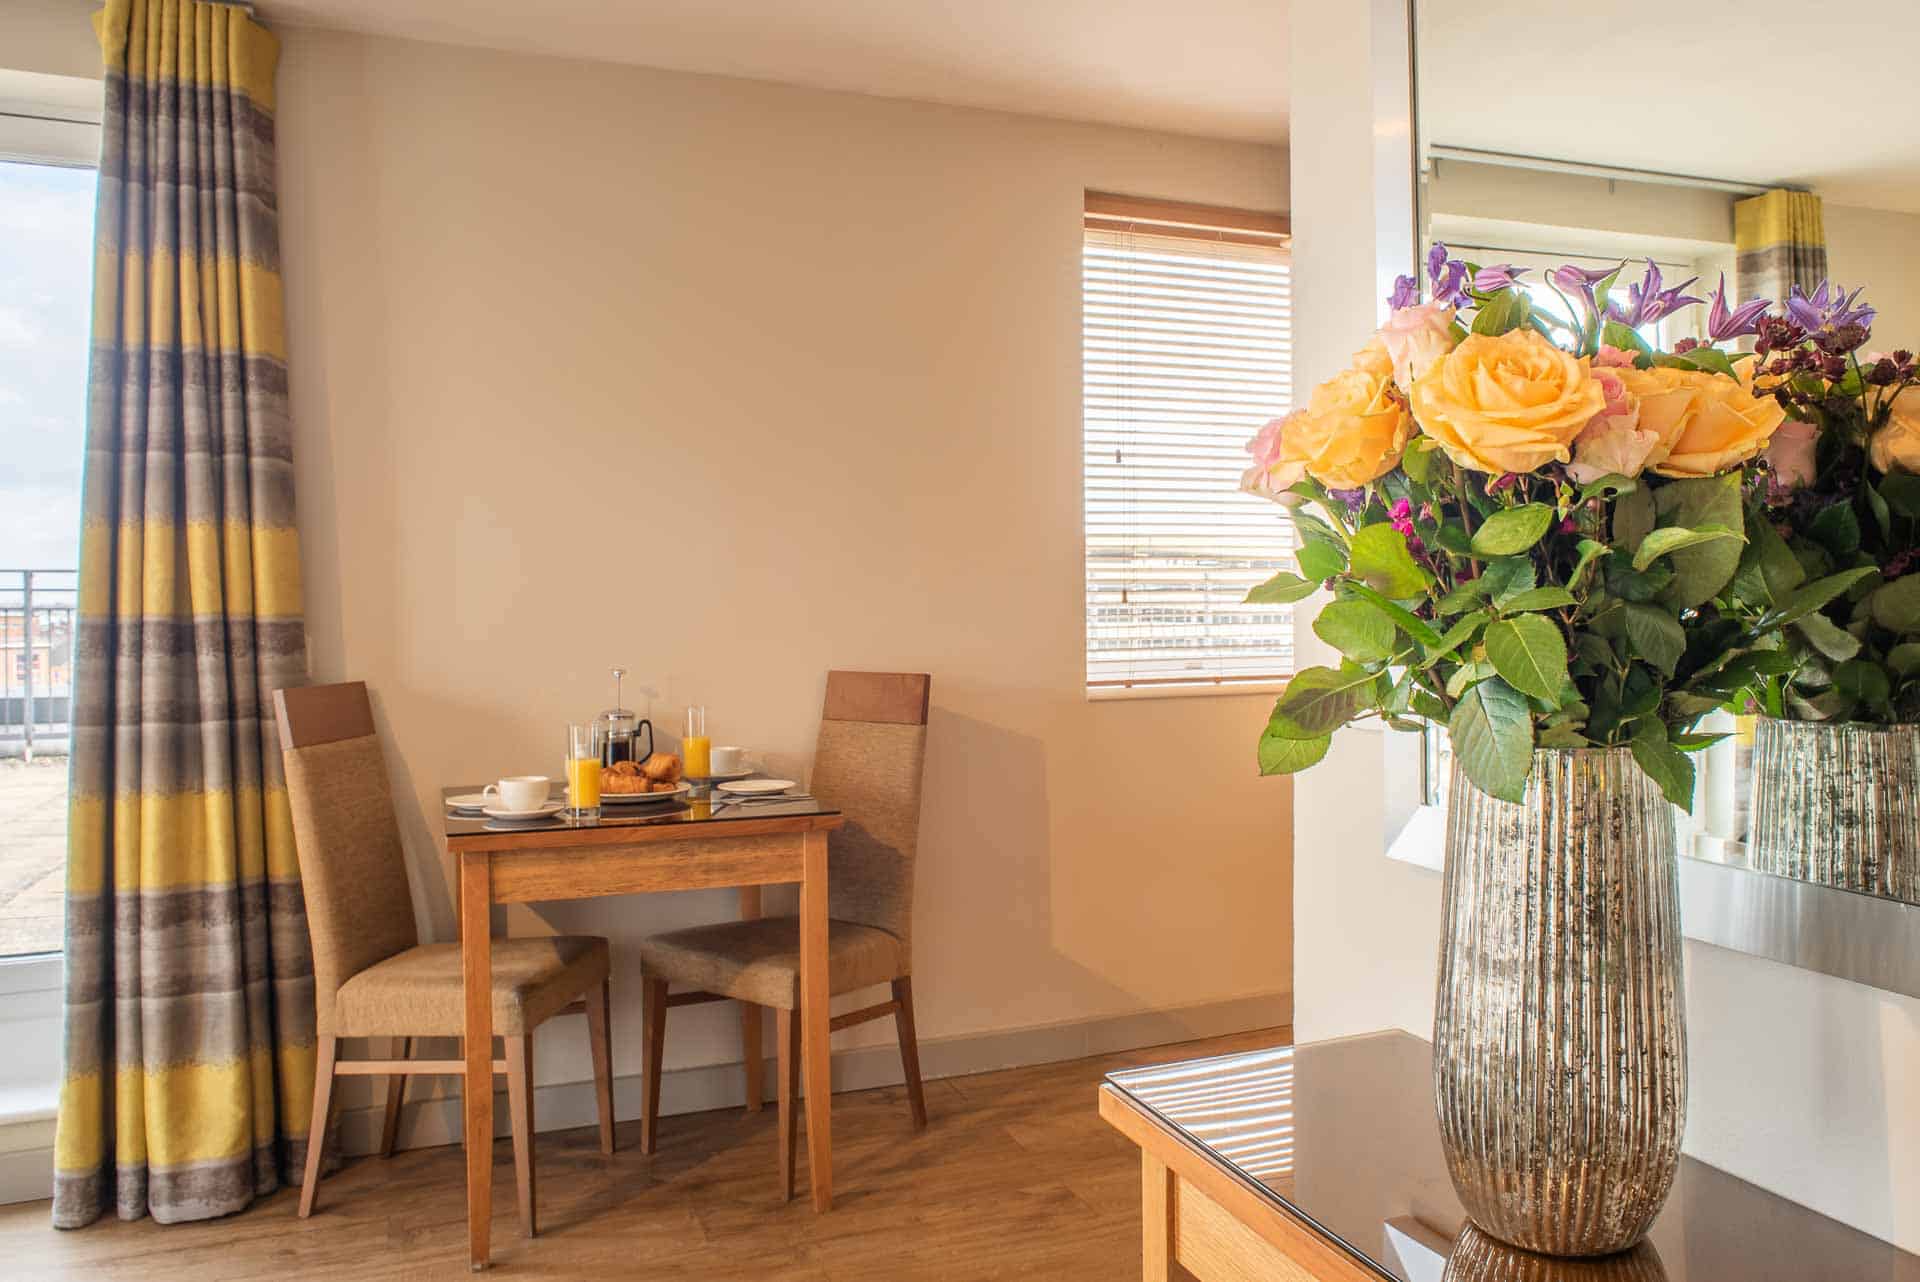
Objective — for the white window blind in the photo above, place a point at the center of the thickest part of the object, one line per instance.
(1187, 351)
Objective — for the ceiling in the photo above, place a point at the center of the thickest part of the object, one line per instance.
(1766, 91)
(1208, 67)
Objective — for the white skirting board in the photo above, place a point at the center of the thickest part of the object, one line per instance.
(26, 1173)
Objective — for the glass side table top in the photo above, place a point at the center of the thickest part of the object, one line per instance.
(1342, 1135)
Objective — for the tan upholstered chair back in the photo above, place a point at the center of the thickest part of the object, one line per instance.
(353, 870)
(873, 745)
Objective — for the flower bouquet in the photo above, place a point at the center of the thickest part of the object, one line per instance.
(1530, 523)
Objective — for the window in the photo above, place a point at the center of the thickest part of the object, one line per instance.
(46, 293)
(1186, 339)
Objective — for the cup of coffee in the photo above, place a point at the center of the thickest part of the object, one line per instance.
(730, 761)
(520, 792)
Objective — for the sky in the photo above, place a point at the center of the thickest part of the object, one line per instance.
(46, 288)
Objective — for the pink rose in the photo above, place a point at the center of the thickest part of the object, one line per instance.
(1610, 357)
(1612, 443)
(1273, 473)
(1415, 337)
(1790, 453)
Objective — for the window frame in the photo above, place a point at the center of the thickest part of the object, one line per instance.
(1200, 223)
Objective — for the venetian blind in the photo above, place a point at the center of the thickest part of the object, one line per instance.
(1187, 351)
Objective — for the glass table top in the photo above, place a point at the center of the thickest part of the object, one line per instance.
(701, 805)
(1342, 1135)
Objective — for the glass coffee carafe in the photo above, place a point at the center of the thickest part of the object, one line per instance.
(622, 730)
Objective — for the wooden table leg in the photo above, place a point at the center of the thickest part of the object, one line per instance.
(814, 1017)
(1156, 1219)
(476, 1093)
(752, 1057)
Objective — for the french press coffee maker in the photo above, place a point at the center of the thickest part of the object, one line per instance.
(620, 730)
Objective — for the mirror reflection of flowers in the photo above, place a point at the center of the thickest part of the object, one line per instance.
(1536, 528)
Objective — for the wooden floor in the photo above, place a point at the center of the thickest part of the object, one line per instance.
(1015, 1176)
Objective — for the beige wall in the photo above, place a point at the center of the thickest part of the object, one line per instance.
(49, 38)
(1881, 250)
(730, 383)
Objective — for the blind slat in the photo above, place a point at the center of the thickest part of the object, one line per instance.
(1187, 349)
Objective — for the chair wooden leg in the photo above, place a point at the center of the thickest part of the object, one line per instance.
(909, 1049)
(753, 1057)
(520, 1107)
(600, 1033)
(653, 996)
(325, 1053)
(787, 1032)
(402, 1048)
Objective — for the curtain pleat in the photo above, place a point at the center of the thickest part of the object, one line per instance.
(189, 1006)
(1779, 240)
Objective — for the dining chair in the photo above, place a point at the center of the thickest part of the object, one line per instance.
(373, 978)
(868, 763)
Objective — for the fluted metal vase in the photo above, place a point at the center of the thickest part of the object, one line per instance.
(1559, 1038)
(1838, 804)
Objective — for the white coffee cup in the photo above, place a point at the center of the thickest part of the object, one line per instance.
(729, 761)
(520, 792)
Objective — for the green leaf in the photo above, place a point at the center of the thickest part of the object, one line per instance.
(1863, 680)
(1410, 623)
(1699, 572)
(1282, 589)
(1320, 561)
(1417, 462)
(1381, 559)
(1512, 530)
(1428, 705)
(1459, 634)
(1693, 742)
(1669, 539)
(1537, 599)
(1902, 493)
(1492, 733)
(1464, 597)
(1589, 549)
(1804, 601)
(1655, 635)
(1837, 529)
(1710, 359)
(1453, 536)
(1283, 756)
(1780, 570)
(1828, 637)
(1633, 518)
(1614, 334)
(1530, 654)
(1904, 658)
(1896, 605)
(1666, 765)
(1609, 486)
(1508, 577)
(1507, 310)
(1319, 701)
(1358, 629)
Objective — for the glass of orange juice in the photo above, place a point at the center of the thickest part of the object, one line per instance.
(696, 750)
(583, 770)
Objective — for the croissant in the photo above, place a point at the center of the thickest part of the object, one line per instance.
(627, 769)
(662, 767)
(617, 781)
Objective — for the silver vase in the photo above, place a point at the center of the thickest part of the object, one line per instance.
(1559, 1035)
(1838, 803)
(1478, 1258)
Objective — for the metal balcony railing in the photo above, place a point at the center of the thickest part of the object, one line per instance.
(36, 660)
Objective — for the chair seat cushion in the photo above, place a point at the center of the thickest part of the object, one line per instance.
(417, 993)
(759, 961)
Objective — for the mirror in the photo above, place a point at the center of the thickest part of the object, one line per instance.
(1651, 131)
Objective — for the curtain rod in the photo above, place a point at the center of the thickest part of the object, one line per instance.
(1621, 173)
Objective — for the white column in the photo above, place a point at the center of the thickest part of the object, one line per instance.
(1365, 927)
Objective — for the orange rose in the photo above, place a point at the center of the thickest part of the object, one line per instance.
(1725, 425)
(1896, 446)
(1510, 402)
(1353, 430)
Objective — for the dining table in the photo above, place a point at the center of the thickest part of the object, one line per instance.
(700, 840)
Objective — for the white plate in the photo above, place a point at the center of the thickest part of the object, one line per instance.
(469, 801)
(736, 774)
(639, 798)
(540, 812)
(756, 787)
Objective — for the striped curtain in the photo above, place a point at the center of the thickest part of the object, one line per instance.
(189, 1010)
(1780, 240)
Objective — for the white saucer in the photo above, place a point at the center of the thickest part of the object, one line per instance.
(469, 801)
(756, 787)
(551, 808)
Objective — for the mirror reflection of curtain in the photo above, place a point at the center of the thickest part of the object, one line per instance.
(1779, 240)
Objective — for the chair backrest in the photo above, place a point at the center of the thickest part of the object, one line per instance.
(353, 869)
(873, 746)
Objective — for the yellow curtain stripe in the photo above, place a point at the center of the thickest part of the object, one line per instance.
(1778, 218)
(232, 567)
(183, 840)
(157, 302)
(221, 46)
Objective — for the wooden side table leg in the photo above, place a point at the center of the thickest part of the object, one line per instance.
(753, 1060)
(814, 1018)
(476, 1088)
(1156, 1219)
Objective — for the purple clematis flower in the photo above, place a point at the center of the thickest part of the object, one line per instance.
(1829, 310)
(1724, 323)
(1580, 282)
(1406, 292)
(1448, 276)
(1489, 279)
(1648, 302)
